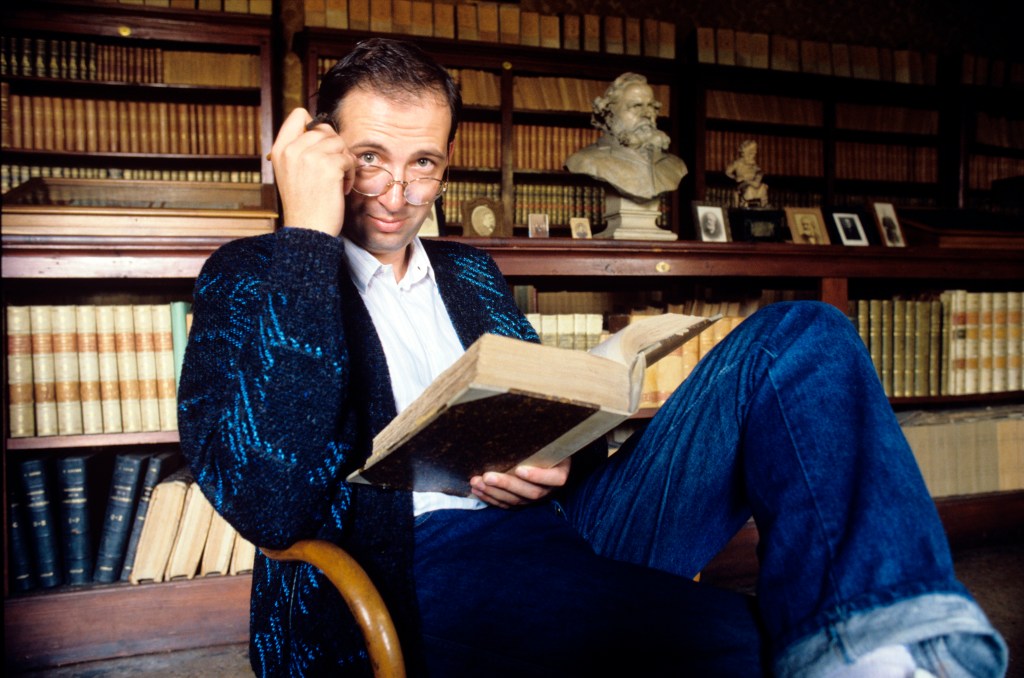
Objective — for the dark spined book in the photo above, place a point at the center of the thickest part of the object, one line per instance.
(37, 485)
(78, 516)
(18, 538)
(124, 492)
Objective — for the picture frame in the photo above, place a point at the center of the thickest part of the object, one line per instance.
(807, 226)
(484, 218)
(539, 225)
(758, 225)
(888, 224)
(850, 228)
(430, 228)
(710, 223)
(579, 227)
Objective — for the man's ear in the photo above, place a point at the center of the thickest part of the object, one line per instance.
(451, 149)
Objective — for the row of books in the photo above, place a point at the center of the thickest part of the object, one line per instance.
(460, 193)
(559, 202)
(967, 451)
(726, 196)
(260, 7)
(886, 162)
(978, 69)
(507, 23)
(103, 518)
(12, 176)
(729, 47)
(572, 94)
(769, 108)
(88, 369)
(789, 156)
(94, 61)
(534, 147)
(984, 169)
(900, 119)
(107, 126)
(955, 343)
(999, 130)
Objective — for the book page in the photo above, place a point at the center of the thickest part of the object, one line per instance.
(653, 337)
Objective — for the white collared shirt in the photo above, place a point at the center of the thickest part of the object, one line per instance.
(418, 337)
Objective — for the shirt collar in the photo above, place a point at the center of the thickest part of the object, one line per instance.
(364, 268)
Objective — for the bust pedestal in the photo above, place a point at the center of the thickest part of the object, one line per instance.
(631, 220)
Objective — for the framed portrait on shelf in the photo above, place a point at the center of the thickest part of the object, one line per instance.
(580, 228)
(758, 225)
(483, 218)
(710, 223)
(850, 229)
(539, 225)
(430, 227)
(888, 224)
(807, 226)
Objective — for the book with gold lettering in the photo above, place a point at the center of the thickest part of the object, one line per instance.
(508, 402)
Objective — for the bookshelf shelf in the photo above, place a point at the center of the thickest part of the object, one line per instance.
(95, 440)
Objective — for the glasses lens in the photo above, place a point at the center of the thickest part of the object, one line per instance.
(422, 191)
(371, 180)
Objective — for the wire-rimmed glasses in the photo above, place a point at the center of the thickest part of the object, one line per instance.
(373, 181)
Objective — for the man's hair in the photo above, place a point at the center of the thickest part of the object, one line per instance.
(603, 104)
(395, 69)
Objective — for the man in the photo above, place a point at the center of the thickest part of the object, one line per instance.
(305, 344)
(630, 154)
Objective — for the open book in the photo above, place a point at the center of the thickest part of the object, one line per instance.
(507, 402)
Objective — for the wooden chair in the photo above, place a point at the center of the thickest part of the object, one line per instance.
(360, 595)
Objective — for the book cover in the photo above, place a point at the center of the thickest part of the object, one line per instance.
(667, 39)
(571, 31)
(120, 507)
(381, 19)
(401, 16)
(487, 21)
(37, 489)
(550, 32)
(705, 45)
(591, 33)
(444, 20)
(508, 23)
(466, 18)
(359, 15)
(725, 46)
(158, 466)
(632, 36)
(614, 35)
(160, 528)
(336, 14)
(193, 528)
(529, 28)
(507, 402)
(44, 391)
(20, 399)
(422, 18)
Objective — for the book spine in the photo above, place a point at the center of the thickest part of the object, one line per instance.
(65, 370)
(154, 471)
(43, 371)
(124, 485)
(1014, 326)
(19, 560)
(76, 532)
(166, 382)
(21, 403)
(127, 369)
(88, 369)
(145, 356)
(106, 354)
(38, 502)
(179, 335)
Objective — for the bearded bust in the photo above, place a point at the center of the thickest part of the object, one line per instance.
(630, 154)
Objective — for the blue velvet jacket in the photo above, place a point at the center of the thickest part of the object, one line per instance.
(283, 387)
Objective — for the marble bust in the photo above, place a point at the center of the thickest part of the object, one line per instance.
(630, 154)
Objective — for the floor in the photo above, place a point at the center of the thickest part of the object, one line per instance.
(994, 574)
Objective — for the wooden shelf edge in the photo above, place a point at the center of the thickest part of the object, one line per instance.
(72, 626)
(92, 440)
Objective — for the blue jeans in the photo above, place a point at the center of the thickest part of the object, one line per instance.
(784, 421)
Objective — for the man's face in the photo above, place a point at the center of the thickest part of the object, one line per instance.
(634, 115)
(409, 139)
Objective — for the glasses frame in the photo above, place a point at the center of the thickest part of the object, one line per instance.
(405, 185)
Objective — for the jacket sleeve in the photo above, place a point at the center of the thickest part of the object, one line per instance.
(264, 385)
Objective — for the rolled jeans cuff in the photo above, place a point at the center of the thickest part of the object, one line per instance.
(946, 634)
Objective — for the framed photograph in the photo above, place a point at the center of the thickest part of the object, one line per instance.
(539, 227)
(710, 223)
(807, 226)
(483, 218)
(758, 225)
(888, 225)
(851, 231)
(580, 227)
(430, 227)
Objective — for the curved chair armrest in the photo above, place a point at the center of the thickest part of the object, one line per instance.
(360, 595)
